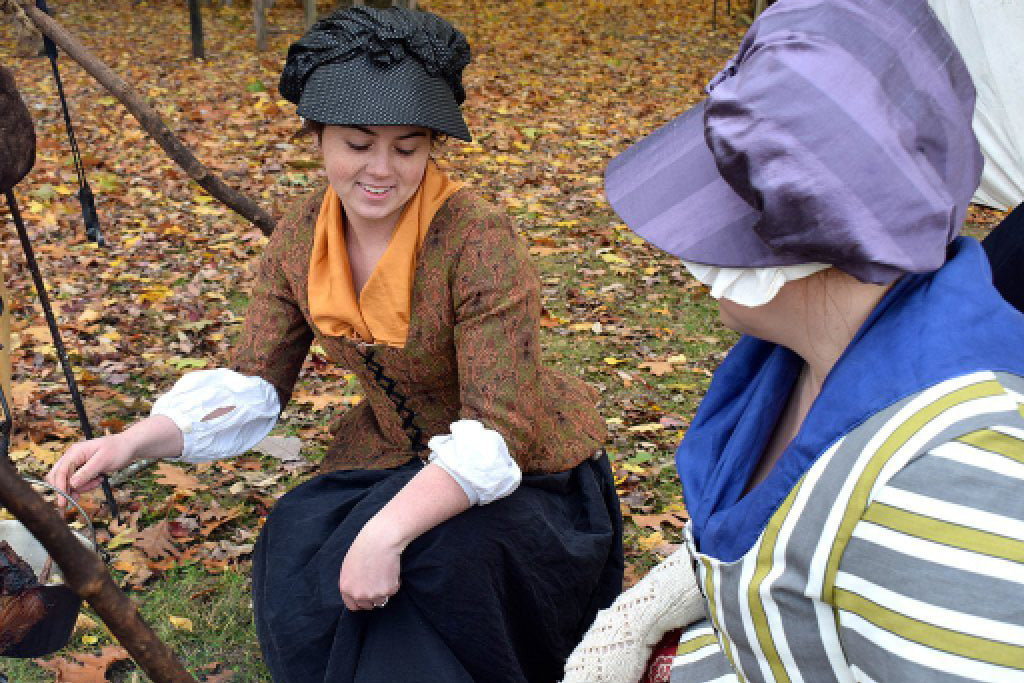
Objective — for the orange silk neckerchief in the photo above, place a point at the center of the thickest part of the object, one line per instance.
(380, 313)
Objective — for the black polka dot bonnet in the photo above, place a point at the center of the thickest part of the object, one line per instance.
(379, 67)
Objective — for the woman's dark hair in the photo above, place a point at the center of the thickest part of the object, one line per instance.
(316, 129)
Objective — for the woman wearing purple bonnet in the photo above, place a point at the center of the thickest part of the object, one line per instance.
(465, 525)
(855, 473)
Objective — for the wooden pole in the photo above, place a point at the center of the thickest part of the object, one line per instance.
(86, 574)
(150, 121)
(195, 20)
(309, 13)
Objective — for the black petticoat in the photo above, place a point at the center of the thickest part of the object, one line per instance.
(500, 593)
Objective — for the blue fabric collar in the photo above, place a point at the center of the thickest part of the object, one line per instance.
(926, 329)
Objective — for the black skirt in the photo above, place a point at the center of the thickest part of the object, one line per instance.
(500, 593)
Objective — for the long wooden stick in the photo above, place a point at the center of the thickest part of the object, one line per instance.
(150, 120)
(86, 574)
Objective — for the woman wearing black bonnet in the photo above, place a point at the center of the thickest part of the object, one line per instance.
(464, 526)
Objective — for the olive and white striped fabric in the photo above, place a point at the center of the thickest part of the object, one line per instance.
(898, 556)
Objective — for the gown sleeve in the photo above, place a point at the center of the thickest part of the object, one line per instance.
(254, 410)
(275, 336)
(496, 297)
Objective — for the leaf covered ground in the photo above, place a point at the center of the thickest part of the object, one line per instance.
(555, 90)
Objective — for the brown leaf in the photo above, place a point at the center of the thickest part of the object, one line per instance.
(215, 675)
(178, 479)
(222, 677)
(156, 541)
(658, 367)
(84, 668)
(215, 516)
(183, 527)
(655, 521)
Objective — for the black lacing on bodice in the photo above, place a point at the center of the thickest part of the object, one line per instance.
(387, 385)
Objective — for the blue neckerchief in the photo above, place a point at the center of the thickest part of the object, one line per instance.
(926, 329)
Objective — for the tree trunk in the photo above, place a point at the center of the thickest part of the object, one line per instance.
(259, 22)
(86, 574)
(195, 20)
(309, 11)
(151, 121)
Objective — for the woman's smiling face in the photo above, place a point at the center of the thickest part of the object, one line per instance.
(375, 170)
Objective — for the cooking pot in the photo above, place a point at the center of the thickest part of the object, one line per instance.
(60, 604)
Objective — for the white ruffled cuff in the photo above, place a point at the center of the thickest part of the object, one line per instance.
(255, 408)
(749, 286)
(478, 460)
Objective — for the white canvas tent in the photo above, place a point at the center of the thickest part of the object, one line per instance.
(990, 35)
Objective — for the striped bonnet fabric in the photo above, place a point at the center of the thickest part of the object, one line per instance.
(840, 133)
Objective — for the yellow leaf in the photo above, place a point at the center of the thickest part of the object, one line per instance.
(613, 361)
(180, 623)
(155, 293)
(85, 623)
(122, 539)
(324, 401)
(89, 316)
(651, 541)
(649, 427)
(680, 358)
(90, 639)
(46, 454)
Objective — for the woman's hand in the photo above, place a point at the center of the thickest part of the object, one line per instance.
(80, 468)
(370, 571)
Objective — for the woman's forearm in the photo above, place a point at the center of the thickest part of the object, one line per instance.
(370, 572)
(154, 437)
(430, 498)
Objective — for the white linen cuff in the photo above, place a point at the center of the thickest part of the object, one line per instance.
(197, 394)
(749, 286)
(477, 459)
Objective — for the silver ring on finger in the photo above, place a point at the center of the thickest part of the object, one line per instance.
(381, 603)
